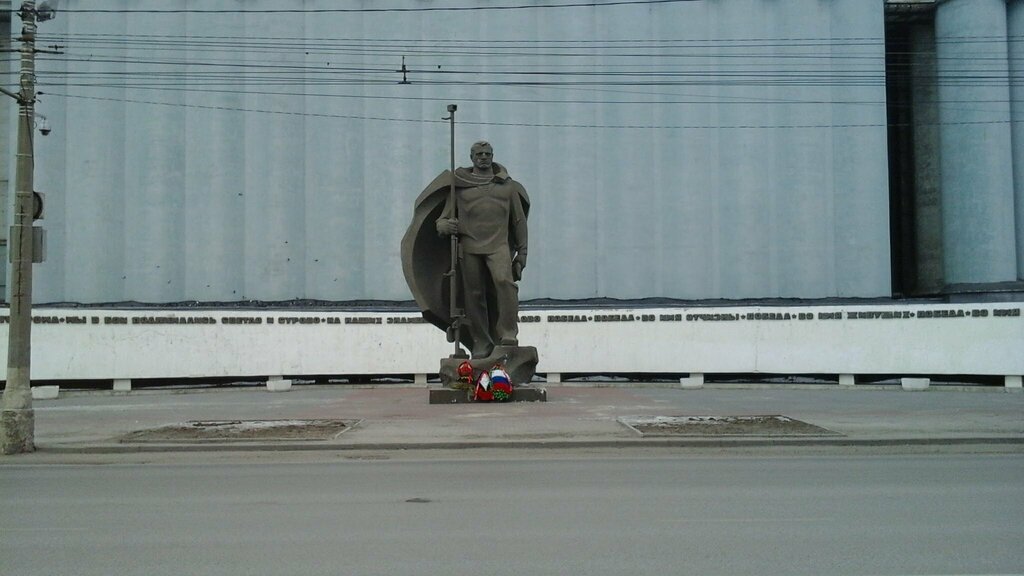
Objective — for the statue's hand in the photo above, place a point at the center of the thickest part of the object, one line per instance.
(517, 269)
(447, 226)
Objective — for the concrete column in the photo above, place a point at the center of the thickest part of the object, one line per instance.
(979, 243)
(1015, 29)
(927, 162)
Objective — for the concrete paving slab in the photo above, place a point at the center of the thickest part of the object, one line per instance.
(397, 417)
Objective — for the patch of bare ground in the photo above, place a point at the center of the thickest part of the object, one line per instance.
(241, 431)
(772, 425)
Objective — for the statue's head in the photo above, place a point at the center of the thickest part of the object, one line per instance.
(482, 155)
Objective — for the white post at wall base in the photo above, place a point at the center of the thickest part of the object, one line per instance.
(45, 392)
(915, 383)
(694, 382)
(123, 385)
(553, 378)
(1014, 382)
(420, 379)
(278, 384)
(847, 380)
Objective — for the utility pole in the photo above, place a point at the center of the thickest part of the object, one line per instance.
(17, 421)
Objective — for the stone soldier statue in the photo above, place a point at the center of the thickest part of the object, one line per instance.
(491, 225)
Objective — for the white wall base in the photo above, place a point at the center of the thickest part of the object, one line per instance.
(1014, 382)
(122, 385)
(847, 380)
(553, 378)
(420, 379)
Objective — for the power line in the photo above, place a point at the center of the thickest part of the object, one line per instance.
(366, 10)
(664, 69)
(718, 100)
(526, 124)
(708, 99)
(300, 43)
(769, 42)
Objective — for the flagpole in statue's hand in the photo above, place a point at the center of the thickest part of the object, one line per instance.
(455, 330)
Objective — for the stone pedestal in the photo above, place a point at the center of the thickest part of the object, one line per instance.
(521, 393)
(519, 361)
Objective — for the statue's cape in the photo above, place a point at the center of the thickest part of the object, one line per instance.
(426, 256)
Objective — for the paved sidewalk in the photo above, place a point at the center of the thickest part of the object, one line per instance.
(399, 417)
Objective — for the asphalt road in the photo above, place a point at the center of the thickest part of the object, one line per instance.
(608, 514)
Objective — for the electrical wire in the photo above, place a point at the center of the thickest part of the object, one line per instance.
(685, 65)
(528, 124)
(695, 99)
(477, 8)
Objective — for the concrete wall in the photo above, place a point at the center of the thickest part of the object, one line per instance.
(753, 166)
(952, 339)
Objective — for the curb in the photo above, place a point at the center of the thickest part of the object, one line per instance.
(531, 444)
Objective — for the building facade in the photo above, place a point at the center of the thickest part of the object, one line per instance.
(716, 149)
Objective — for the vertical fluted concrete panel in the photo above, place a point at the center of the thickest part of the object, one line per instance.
(568, 178)
(1015, 31)
(391, 149)
(334, 171)
(154, 169)
(94, 177)
(684, 165)
(213, 242)
(860, 179)
(275, 198)
(977, 169)
(745, 157)
(523, 155)
(48, 277)
(802, 210)
(629, 214)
